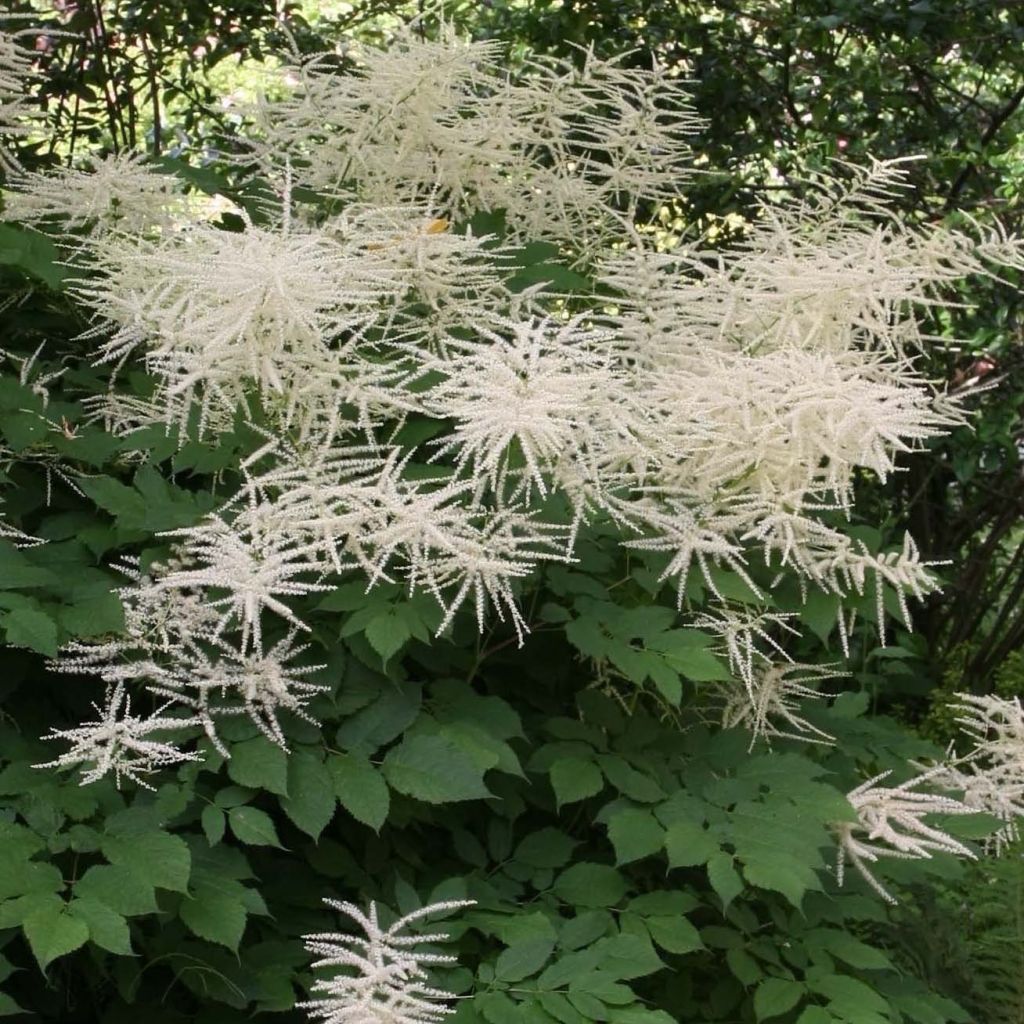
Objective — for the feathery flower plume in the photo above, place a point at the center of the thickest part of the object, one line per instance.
(120, 192)
(120, 742)
(894, 816)
(770, 706)
(382, 978)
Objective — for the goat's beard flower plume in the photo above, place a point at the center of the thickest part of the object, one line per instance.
(890, 823)
(382, 977)
(15, 73)
(562, 149)
(434, 423)
(115, 193)
(990, 777)
(770, 705)
(121, 743)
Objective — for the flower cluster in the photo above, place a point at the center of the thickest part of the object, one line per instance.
(15, 72)
(990, 778)
(567, 151)
(381, 976)
(894, 816)
(120, 192)
(438, 420)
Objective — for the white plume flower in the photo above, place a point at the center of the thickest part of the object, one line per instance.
(382, 977)
(539, 391)
(15, 73)
(890, 823)
(561, 149)
(246, 566)
(119, 742)
(216, 680)
(119, 192)
(740, 632)
(770, 706)
(990, 778)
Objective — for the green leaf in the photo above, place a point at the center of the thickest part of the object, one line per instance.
(253, 826)
(107, 928)
(574, 778)
(214, 823)
(120, 500)
(259, 764)
(724, 878)
(676, 934)
(635, 834)
(628, 781)
(388, 634)
(848, 996)
(52, 932)
(851, 950)
(523, 959)
(310, 803)
(774, 996)
(16, 570)
(624, 957)
(688, 844)
(546, 848)
(817, 1015)
(27, 627)
(94, 616)
(117, 887)
(433, 769)
(383, 720)
(32, 252)
(8, 1007)
(160, 859)
(590, 885)
(20, 876)
(215, 913)
(360, 789)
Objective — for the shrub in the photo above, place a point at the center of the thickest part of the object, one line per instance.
(420, 533)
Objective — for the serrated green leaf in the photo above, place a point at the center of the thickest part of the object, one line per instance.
(107, 928)
(676, 934)
(215, 913)
(27, 627)
(628, 781)
(360, 789)
(433, 769)
(117, 887)
(32, 252)
(259, 764)
(590, 885)
(523, 959)
(775, 996)
(252, 826)
(388, 633)
(382, 721)
(724, 878)
(158, 858)
(214, 822)
(574, 779)
(310, 802)
(635, 834)
(52, 932)
(688, 844)
(545, 848)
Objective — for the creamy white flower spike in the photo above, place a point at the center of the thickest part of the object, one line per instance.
(890, 823)
(771, 705)
(120, 743)
(120, 192)
(15, 73)
(381, 977)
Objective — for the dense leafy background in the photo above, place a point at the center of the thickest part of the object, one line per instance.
(631, 863)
